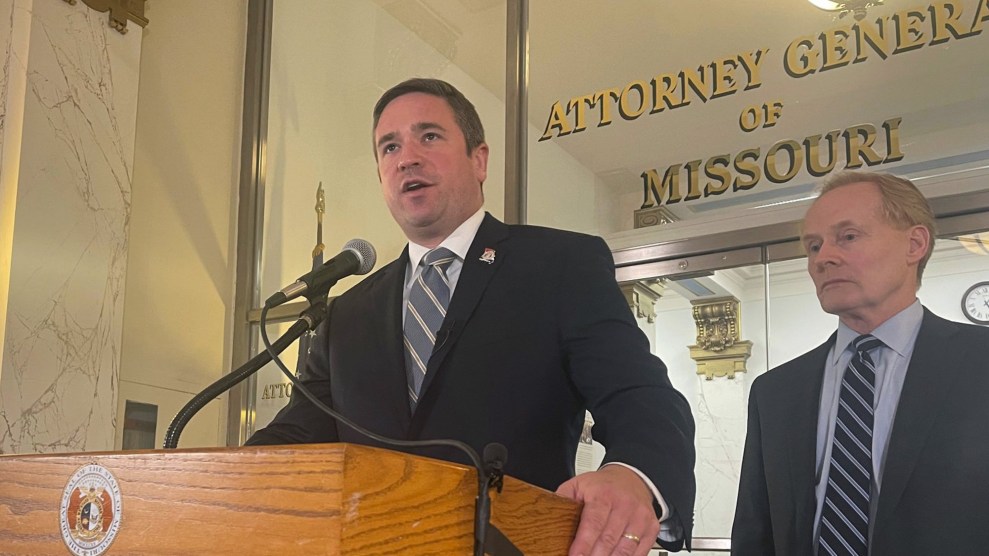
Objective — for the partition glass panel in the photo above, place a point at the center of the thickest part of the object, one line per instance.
(717, 400)
(958, 263)
(330, 61)
(621, 100)
(796, 322)
(795, 325)
(722, 113)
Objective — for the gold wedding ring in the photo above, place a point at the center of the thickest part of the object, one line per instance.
(630, 537)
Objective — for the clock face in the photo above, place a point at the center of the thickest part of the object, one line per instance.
(975, 303)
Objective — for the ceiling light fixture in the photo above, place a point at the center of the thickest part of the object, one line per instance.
(855, 7)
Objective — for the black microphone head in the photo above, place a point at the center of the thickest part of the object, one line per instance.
(496, 454)
(365, 252)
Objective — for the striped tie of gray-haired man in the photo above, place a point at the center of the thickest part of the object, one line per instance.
(844, 526)
(428, 300)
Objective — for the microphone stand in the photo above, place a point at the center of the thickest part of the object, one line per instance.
(308, 320)
(489, 473)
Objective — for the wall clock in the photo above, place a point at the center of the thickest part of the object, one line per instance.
(975, 303)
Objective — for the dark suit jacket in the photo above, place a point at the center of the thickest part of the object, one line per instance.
(528, 343)
(934, 496)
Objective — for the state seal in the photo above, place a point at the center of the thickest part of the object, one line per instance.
(90, 511)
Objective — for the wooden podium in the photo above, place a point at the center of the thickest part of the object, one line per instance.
(303, 499)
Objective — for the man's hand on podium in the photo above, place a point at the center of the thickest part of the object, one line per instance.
(618, 515)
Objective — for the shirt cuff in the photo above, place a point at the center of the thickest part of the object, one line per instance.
(655, 491)
(670, 530)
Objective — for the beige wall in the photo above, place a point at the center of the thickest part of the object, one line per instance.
(181, 267)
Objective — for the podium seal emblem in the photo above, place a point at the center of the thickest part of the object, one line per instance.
(89, 515)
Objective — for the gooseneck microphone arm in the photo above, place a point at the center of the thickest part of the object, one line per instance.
(358, 257)
(308, 320)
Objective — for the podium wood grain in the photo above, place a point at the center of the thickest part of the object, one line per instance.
(306, 499)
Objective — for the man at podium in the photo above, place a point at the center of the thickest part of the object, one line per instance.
(486, 332)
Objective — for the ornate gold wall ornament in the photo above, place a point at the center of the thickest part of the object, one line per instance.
(719, 350)
(717, 322)
(120, 11)
(722, 364)
(642, 296)
(654, 216)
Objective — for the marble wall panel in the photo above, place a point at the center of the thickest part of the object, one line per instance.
(61, 347)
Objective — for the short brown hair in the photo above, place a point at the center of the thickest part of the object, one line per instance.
(463, 111)
(903, 205)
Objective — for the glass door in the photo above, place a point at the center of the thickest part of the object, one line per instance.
(705, 317)
(719, 321)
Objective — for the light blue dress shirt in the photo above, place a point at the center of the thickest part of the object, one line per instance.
(898, 334)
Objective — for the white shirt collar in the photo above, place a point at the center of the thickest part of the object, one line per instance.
(897, 333)
(458, 242)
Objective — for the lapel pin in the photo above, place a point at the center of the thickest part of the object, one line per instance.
(488, 256)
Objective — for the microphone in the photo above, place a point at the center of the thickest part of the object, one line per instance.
(358, 257)
(495, 458)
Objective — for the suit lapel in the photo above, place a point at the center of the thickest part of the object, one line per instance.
(799, 417)
(388, 308)
(475, 276)
(933, 370)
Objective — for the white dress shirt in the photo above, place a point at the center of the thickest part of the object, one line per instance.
(459, 242)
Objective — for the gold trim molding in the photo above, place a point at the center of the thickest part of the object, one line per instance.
(653, 216)
(720, 352)
(120, 11)
(722, 364)
(642, 296)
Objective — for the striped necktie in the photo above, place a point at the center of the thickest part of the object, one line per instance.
(428, 300)
(845, 517)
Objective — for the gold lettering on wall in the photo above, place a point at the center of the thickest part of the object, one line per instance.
(840, 46)
(837, 47)
(905, 31)
(718, 78)
(277, 391)
(818, 154)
